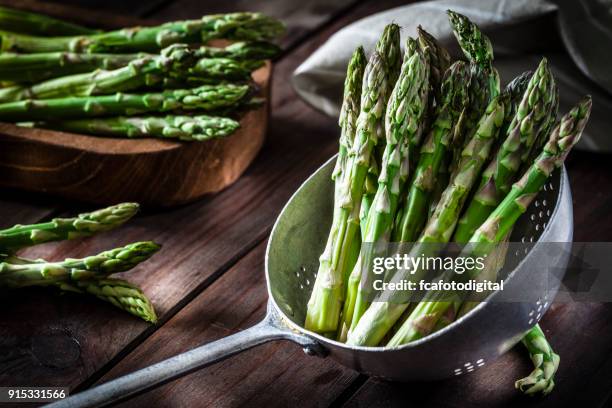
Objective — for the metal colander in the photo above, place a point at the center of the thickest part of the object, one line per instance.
(297, 240)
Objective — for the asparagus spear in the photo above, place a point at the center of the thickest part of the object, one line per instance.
(499, 223)
(42, 66)
(101, 265)
(534, 109)
(172, 61)
(203, 98)
(349, 110)
(233, 26)
(120, 293)
(405, 110)
(477, 48)
(186, 128)
(439, 62)
(326, 299)
(381, 316)
(545, 360)
(388, 46)
(434, 153)
(59, 229)
(26, 22)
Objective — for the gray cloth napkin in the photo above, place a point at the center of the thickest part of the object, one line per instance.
(575, 35)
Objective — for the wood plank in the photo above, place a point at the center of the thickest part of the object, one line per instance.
(88, 16)
(274, 375)
(300, 18)
(116, 7)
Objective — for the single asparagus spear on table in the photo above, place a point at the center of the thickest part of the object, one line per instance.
(185, 128)
(120, 293)
(499, 223)
(233, 26)
(405, 111)
(27, 22)
(58, 229)
(382, 315)
(202, 98)
(325, 303)
(41, 66)
(174, 60)
(445, 128)
(19, 275)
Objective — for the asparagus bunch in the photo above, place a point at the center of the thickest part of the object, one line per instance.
(234, 26)
(534, 110)
(499, 223)
(185, 128)
(41, 66)
(382, 315)
(325, 303)
(26, 22)
(174, 60)
(203, 98)
(406, 108)
(86, 275)
(446, 127)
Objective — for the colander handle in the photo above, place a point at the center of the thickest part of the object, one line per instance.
(269, 329)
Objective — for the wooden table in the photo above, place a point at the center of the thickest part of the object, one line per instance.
(208, 280)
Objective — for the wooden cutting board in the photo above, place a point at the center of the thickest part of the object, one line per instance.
(153, 172)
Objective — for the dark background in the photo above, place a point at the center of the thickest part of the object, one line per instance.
(208, 280)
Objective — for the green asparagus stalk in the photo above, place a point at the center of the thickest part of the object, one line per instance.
(405, 111)
(175, 60)
(325, 302)
(38, 67)
(59, 229)
(439, 59)
(477, 48)
(499, 223)
(369, 192)
(381, 316)
(185, 128)
(91, 267)
(234, 26)
(203, 98)
(434, 153)
(120, 293)
(545, 360)
(26, 22)
(350, 110)
(41, 66)
(389, 48)
(534, 109)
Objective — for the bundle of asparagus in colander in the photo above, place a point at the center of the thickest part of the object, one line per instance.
(457, 159)
(163, 81)
(89, 275)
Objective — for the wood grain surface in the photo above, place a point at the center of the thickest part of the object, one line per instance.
(208, 282)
